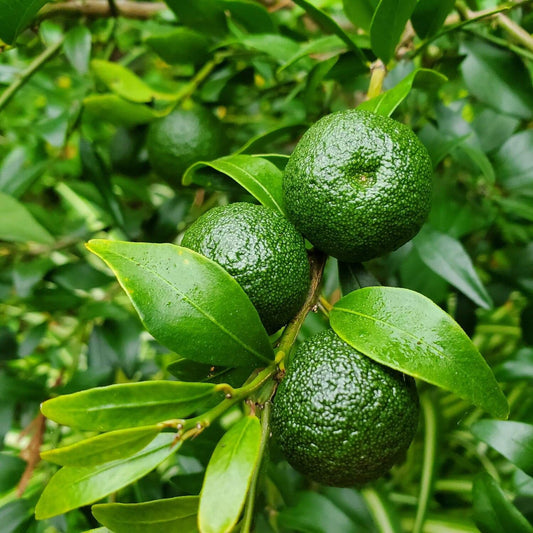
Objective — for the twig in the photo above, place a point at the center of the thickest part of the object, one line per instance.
(113, 8)
(33, 67)
(514, 30)
(31, 453)
(102, 8)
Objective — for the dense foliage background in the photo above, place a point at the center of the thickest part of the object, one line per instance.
(79, 86)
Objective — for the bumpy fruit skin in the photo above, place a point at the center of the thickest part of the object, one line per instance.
(358, 185)
(181, 138)
(262, 250)
(341, 418)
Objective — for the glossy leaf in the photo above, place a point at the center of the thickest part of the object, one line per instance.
(253, 16)
(360, 12)
(408, 332)
(429, 16)
(18, 224)
(76, 486)
(329, 25)
(16, 15)
(182, 299)
(277, 46)
(159, 516)
(181, 45)
(497, 78)
(77, 48)
(126, 84)
(14, 514)
(388, 24)
(493, 512)
(323, 45)
(514, 440)
(114, 109)
(228, 476)
(387, 102)
(127, 405)
(206, 16)
(447, 257)
(103, 448)
(15, 174)
(261, 178)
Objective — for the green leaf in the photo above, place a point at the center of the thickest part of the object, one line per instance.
(513, 163)
(126, 84)
(514, 440)
(480, 160)
(258, 142)
(94, 168)
(228, 476)
(493, 512)
(330, 26)
(114, 109)
(16, 15)
(182, 299)
(103, 448)
(360, 12)
(429, 16)
(277, 46)
(447, 257)
(314, 512)
(253, 16)
(17, 172)
(128, 405)
(76, 486)
(206, 16)
(323, 45)
(18, 224)
(497, 78)
(11, 470)
(261, 178)
(14, 514)
(182, 45)
(159, 516)
(387, 102)
(355, 276)
(388, 24)
(408, 332)
(77, 47)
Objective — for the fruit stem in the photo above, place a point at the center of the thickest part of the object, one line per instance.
(318, 261)
(199, 78)
(250, 499)
(379, 72)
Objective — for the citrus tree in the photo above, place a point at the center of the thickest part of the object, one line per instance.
(266, 266)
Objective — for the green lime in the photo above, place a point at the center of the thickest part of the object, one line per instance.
(341, 418)
(262, 250)
(182, 138)
(358, 185)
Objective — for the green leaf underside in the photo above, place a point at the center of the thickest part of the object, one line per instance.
(387, 102)
(160, 516)
(73, 487)
(408, 332)
(387, 26)
(128, 405)
(261, 178)
(103, 448)
(228, 477)
(183, 300)
(514, 440)
(447, 257)
(493, 512)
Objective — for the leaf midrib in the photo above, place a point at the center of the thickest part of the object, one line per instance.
(195, 305)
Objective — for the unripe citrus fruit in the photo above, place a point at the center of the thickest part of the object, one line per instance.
(262, 250)
(181, 138)
(358, 185)
(341, 418)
